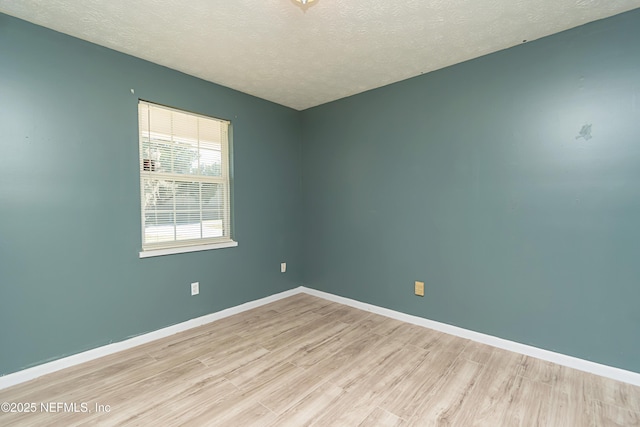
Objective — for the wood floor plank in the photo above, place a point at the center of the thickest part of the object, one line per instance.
(347, 315)
(368, 387)
(373, 322)
(98, 378)
(240, 321)
(310, 407)
(247, 372)
(235, 414)
(612, 392)
(290, 390)
(444, 401)
(477, 352)
(351, 410)
(258, 373)
(300, 304)
(278, 324)
(48, 384)
(383, 375)
(300, 333)
(609, 415)
(385, 356)
(305, 361)
(389, 326)
(570, 410)
(486, 405)
(320, 340)
(542, 371)
(529, 405)
(381, 418)
(348, 356)
(190, 402)
(163, 387)
(346, 337)
(403, 401)
(194, 346)
(328, 308)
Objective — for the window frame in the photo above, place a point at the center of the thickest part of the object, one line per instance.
(176, 246)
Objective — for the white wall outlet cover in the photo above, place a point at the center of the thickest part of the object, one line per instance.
(283, 267)
(195, 288)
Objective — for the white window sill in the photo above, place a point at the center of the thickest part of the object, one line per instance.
(185, 249)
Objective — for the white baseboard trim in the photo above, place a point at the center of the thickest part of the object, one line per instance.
(561, 359)
(76, 359)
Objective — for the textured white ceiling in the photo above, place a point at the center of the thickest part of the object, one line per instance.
(274, 50)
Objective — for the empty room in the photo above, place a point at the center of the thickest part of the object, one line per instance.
(320, 212)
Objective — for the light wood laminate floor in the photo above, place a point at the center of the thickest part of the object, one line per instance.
(306, 361)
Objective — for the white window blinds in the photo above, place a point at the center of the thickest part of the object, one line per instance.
(184, 178)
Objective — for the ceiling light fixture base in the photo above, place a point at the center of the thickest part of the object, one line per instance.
(304, 4)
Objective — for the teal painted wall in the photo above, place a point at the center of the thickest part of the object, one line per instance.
(472, 179)
(70, 276)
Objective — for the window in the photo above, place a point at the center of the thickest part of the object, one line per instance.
(184, 181)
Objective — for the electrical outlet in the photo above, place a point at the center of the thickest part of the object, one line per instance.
(419, 288)
(195, 288)
(283, 267)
